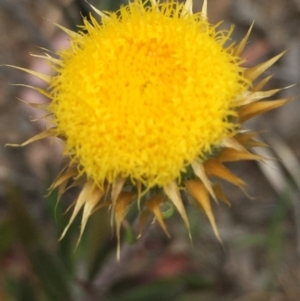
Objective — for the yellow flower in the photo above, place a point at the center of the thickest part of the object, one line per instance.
(148, 102)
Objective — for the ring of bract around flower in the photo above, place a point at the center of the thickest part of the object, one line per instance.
(145, 94)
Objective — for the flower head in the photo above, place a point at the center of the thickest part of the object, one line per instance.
(149, 100)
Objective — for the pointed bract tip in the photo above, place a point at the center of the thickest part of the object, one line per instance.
(153, 2)
(44, 77)
(187, 8)
(97, 11)
(172, 192)
(204, 9)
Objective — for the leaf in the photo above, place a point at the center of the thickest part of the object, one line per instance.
(25, 291)
(52, 276)
(23, 224)
(7, 236)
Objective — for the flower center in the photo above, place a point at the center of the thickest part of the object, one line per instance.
(145, 94)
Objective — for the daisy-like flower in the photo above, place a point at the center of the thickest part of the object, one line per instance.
(149, 105)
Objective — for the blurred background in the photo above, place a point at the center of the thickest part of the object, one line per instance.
(259, 257)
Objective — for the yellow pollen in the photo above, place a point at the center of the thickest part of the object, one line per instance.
(145, 93)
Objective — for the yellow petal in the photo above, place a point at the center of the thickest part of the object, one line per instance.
(200, 193)
(172, 192)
